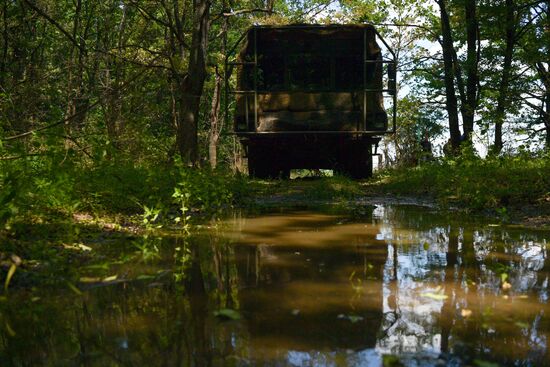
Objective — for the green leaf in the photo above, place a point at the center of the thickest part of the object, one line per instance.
(12, 270)
(110, 278)
(227, 314)
(74, 288)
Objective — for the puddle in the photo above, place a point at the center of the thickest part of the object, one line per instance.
(305, 289)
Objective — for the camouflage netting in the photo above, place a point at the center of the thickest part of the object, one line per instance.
(311, 79)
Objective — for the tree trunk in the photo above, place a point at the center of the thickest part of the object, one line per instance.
(502, 99)
(112, 104)
(5, 43)
(450, 101)
(472, 61)
(192, 85)
(77, 102)
(547, 120)
(546, 80)
(215, 127)
(450, 281)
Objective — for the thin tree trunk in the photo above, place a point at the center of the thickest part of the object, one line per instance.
(215, 128)
(5, 43)
(545, 76)
(502, 99)
(547, 119)
(215, 125)
(451, 103)
(446, 318)
(472, 61)
(77, 103)
(192, 86)
(112, 104)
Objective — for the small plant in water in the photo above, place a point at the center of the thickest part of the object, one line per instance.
(151, 216)
(182, 198)
(182, 256)
(148, 247)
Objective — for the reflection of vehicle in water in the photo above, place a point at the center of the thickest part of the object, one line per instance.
(302, 288)
(311, 96)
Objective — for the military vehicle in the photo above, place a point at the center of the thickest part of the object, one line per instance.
(310, 96)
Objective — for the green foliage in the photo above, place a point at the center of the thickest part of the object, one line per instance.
(204, 190)
(491, 183)
(33, 188)
(43, 189)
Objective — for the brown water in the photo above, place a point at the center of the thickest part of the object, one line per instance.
(308, 289)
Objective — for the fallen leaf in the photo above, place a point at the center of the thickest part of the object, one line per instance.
(110, 278)
(89, 279)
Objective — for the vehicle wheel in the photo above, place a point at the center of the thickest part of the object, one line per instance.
(285, 174)
(260, 164)
(356, 162)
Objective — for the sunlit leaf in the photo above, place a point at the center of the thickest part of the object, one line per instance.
(74, 288)
(89, 279)
(84, 247)
(12, 270)
(110, 278)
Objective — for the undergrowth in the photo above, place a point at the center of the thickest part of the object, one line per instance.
(51, 188)
(475, 183)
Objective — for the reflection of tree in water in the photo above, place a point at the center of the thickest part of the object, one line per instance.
(416, 276)
(476, 315)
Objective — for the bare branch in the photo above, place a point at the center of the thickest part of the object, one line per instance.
(247, 11)
(55, 24)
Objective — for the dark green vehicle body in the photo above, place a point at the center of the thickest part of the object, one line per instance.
(310, 96)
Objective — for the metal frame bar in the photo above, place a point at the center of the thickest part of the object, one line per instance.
(255, 90)
(255, 80)
(394, 62)
(364, 79)
(312, 132)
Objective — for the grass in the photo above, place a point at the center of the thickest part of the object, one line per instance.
(474, 183)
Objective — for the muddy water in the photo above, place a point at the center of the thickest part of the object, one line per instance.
(300, 288)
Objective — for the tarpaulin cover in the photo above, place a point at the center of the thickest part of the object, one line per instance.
(310, 78)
